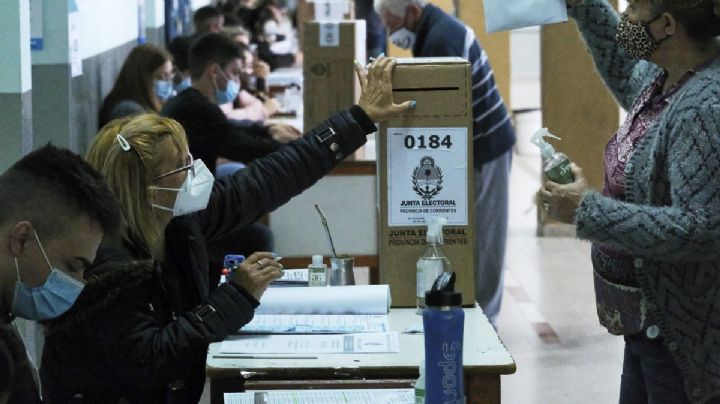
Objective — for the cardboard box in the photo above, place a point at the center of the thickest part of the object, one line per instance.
(328, 70)
(329, 10)
(425, 169)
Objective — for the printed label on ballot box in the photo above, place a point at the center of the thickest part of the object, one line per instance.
(427, 175)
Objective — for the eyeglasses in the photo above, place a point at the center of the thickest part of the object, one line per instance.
(189, 165)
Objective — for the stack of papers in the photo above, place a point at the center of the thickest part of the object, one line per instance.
(358, 299)
(360, 396)
(316, 324)
(311, 344)
(292, 277)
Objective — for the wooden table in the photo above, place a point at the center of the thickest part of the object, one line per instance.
(485, 358)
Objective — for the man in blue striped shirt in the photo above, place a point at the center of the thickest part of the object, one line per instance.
(428, 31)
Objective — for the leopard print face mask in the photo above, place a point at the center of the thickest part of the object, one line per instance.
(636, 38)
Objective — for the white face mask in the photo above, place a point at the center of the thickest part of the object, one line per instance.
(194, 193)
(403, 38)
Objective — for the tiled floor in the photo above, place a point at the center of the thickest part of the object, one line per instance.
(548, 319)
(571, 359)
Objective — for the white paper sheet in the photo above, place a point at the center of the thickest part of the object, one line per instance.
(316, 324)
(358, 299)
(503, 15)
(292, 277)
(354, 396)
(427, 175)
(386, 342)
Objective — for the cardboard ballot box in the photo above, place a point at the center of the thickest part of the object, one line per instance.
(425, 169)
(322, 10)
(328, 71)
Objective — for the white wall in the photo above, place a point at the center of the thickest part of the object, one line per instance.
(106, 24)
(154, 13)
(15, 67)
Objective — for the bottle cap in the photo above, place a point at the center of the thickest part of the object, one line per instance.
(443, 292)
(317, 260)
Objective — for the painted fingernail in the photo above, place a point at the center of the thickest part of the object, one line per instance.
(382, 54)
(276, 257)
(356, 63)
(413, 104)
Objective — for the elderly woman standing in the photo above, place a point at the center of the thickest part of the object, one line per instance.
(655, 227)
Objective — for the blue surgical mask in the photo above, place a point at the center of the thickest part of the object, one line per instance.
(232, 89)
(48, 301)
(163, 89)
(403, 38)
(185, 83)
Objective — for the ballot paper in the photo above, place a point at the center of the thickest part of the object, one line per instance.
(316, 324)
(503, 15)
(386, 342)
(356, 299)
(354, 396)
(292, 277)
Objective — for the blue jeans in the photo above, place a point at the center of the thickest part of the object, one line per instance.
(650, 375)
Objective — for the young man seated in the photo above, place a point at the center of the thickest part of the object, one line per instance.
(54, 211)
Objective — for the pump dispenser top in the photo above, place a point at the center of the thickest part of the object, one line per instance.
(556, 165)
(538, 139)
(434, 229)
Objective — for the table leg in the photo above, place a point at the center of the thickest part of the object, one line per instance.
(482, 389)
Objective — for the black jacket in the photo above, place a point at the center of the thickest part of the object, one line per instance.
(17, 384)
(134, 335)
(211, 134)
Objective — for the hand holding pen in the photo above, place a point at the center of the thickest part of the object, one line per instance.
(256, 272)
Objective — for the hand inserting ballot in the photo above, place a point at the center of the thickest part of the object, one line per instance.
(256, 272)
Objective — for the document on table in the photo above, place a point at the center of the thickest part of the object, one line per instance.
(357, 299)
(316, 324)
(292, 277)
(355, 396)
(386, 342)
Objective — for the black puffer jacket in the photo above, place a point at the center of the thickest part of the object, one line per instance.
(142, 336)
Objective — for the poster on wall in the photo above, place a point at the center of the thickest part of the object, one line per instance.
(74, 39)
(427, 175)
(36, 25)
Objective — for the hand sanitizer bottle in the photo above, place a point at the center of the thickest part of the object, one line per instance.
(317, 272)
(556, 165)
(420, 385)
(432, 263)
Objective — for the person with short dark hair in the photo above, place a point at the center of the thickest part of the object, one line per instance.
(55, 210)
(216, 67)
(144, 84)
(208, 19)
(179, 48)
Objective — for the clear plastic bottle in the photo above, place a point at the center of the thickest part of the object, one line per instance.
(420, 385)
(317, 272)
(432, 263)
(556, 165)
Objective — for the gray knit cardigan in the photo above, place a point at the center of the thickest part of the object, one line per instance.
(670, 221)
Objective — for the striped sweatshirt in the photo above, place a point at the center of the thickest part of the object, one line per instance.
(440, 34)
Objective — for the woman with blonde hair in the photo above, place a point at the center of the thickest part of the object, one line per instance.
(144, 83)
(142, 336)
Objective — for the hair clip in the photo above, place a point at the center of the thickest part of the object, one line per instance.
(123, 143)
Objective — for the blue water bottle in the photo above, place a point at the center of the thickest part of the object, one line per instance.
(443, 321)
